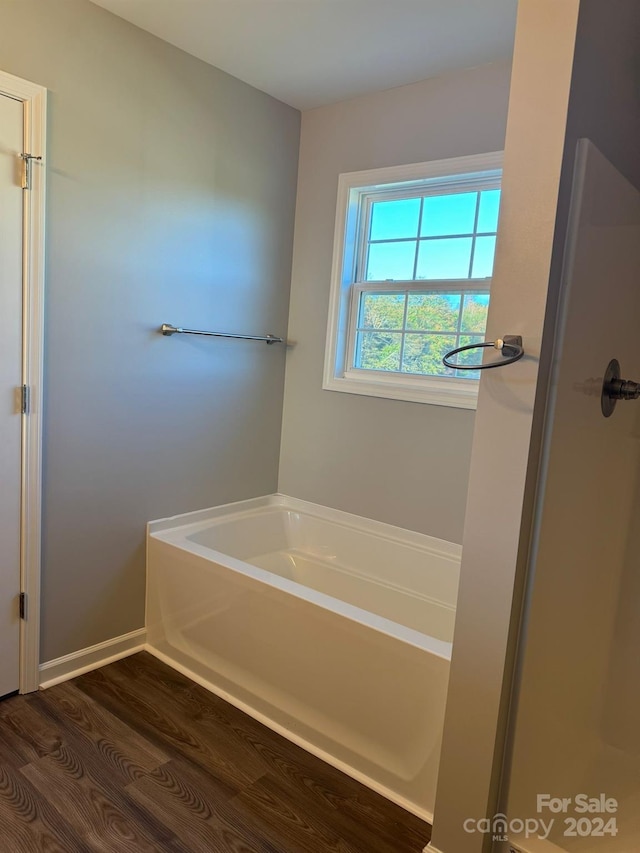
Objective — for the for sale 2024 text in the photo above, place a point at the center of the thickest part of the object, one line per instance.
(591, 816)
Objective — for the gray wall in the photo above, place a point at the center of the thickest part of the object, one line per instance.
(171, 196)
(402, 463)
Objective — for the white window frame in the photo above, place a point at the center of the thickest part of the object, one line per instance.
(345, 291)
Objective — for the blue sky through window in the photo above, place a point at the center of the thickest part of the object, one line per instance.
(447, 258)
(423, 237)
(488, 214)
(391, 220)
(449, 214)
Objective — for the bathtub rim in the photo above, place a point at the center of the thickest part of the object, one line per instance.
(278, 500)
(173, 532)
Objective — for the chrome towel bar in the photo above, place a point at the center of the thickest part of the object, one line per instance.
(167, 329)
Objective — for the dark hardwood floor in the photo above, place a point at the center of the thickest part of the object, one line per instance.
(135, 757)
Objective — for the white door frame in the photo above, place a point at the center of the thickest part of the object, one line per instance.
(34, 98)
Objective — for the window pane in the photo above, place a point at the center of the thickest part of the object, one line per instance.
(444, 258)
(489, 206)
(378, 351)
(436, 312)
(391, 261)
(423, 354)
(382, 310)
(448, 214)
(483, 257)
(473, 356)
(474, 312)
(394, 219)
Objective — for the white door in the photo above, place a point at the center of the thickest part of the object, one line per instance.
(577, 726)
(11, 142)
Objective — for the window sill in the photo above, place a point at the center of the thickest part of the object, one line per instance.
(430, 390)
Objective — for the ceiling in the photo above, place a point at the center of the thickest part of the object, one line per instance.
(313, 52)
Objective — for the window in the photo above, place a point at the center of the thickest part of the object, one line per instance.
(413, 259)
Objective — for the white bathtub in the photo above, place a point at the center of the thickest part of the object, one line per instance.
(333, 630)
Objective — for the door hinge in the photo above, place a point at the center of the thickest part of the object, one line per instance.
(23, 605)
(27, 160)
(25, 399)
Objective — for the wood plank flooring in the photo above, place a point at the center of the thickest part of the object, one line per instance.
(135, 757)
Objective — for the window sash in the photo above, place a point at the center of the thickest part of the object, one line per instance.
(462, 286)
(450, 186)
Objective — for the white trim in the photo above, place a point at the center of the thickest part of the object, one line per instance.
(428, 390)
(21, 90)
(34, 98)
(336, 376)
(431, 849)
(407, 805)
(425, 171)
(93, 657)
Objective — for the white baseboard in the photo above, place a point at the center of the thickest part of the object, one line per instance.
(84, 660)
(431, 849)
